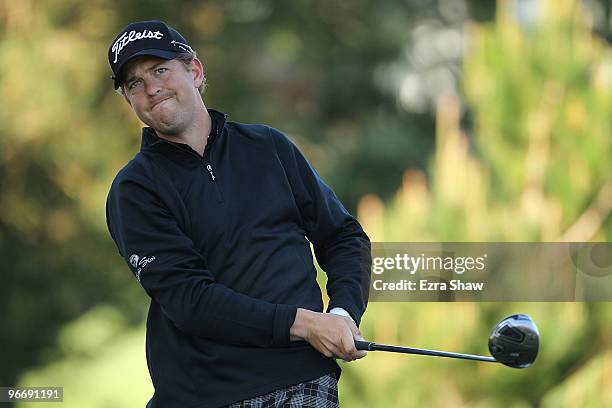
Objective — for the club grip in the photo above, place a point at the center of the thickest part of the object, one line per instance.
(363, 345)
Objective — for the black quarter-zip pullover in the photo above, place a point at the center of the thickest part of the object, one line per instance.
(221, 244)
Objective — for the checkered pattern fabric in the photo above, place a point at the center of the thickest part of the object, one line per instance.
(321, 392)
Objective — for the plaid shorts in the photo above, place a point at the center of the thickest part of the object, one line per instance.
(321, 392)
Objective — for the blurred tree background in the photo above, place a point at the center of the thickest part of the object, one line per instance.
(432, 120)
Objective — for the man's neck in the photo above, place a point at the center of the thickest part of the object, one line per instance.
(196, 136)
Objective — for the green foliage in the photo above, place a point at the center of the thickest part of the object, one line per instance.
(542, 103)
(105, 364)
(537, 169)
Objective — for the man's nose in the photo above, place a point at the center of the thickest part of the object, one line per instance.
(152, 86)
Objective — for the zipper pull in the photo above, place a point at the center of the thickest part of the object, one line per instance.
(210, 170)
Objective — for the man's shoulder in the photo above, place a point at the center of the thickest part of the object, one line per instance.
(255, 132)
(136, 170)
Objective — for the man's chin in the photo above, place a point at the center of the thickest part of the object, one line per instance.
(164, 123)
(167, 129)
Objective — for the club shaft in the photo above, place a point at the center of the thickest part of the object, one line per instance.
(370, 346)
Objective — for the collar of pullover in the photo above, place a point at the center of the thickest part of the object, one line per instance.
(150, 140)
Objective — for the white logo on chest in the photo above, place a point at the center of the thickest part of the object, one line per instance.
(139, 263)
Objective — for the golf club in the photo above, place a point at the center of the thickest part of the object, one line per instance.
(514, 342)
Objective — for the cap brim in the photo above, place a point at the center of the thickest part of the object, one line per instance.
(167, 55)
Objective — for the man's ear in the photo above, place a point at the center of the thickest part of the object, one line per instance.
(198, 72)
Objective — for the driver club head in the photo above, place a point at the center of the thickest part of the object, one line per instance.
(515, 341)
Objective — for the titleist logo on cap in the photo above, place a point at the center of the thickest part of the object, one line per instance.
(133, 35)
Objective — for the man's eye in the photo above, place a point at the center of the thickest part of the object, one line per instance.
(133, 84)
(161, 70)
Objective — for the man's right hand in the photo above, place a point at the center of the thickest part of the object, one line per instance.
(331, 334)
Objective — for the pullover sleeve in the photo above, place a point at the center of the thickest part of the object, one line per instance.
(340, 245)
(173, 273)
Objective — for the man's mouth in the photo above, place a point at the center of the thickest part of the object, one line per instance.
(159, 102)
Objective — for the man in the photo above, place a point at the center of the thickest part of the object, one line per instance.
(215, 220)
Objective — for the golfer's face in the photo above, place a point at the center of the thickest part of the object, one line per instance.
(162, 93)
